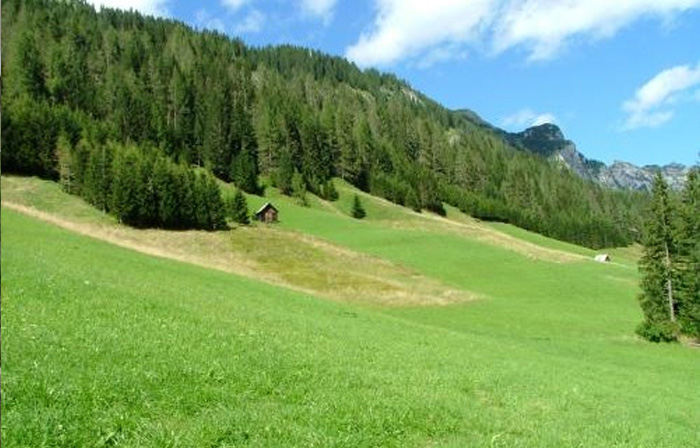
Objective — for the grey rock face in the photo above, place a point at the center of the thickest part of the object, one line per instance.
(549, 141)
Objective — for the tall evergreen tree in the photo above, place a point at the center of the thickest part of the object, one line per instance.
(689, 257)
(237, 208)
(284, 174)
(244, 172)
(64, 151)
(658, 297)
(299, 188)
(125, 192)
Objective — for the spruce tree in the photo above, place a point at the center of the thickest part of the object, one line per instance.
(658, 296)
(689, 257)
(299, 188)
(125, 192)
(244, 172)
(285, 173)
(358, 211)
(238, 208)
(329, 191)
(64, 152)
(215, 204)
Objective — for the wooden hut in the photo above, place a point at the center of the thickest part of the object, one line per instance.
(268, 213)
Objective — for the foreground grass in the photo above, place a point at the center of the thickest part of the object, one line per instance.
(103, 346)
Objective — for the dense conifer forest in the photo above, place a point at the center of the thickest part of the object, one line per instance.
(135, 114)
(670, 266)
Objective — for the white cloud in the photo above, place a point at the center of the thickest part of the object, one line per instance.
(652, 104)
(441, 54)
(323, 9)
(234, 5)
(406, 29)
(525, 118)
(545, 26)
(543, 119)
(150, 7)
(205, 20)
(252, 23)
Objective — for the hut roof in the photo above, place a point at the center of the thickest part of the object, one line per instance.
(266, 206)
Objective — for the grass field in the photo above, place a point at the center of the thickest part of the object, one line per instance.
(106, 346)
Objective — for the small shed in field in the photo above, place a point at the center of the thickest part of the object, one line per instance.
(602, 258)
(268, 213)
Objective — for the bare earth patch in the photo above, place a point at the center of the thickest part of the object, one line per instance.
(280, 257)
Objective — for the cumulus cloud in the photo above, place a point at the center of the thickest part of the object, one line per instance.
(252, 23)
(545, 26)
(405, 29)
(150, 7)
(323, 9)
(408, 28)
(525, 118)
(652, 104)
(234, 5)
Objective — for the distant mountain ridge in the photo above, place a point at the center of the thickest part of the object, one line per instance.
(549, 141)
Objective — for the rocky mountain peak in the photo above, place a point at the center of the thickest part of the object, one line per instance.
(546, 131)
(549, 141)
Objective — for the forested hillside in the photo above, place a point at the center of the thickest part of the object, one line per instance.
(85, 91)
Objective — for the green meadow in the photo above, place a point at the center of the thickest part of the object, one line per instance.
(531, 344)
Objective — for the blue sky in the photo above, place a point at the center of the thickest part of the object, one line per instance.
(621, 78)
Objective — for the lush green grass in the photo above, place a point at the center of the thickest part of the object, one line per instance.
(541, 240)
(107, 347)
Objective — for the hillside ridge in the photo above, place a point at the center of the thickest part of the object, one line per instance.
(137, 115)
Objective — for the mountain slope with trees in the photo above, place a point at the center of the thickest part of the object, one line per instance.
(94, 79)
(549, 141)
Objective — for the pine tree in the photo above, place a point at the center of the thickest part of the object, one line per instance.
(328, 191)
(358, 211)
(658, 297)
(244, 172)
(237, 208)
(689, 257)
(299, 188)
(125, 192)
(215, 204)
(284, 174)
(64, 152)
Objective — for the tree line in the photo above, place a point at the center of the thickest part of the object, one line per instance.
(292, 116)
(141, 187)
(670, 266)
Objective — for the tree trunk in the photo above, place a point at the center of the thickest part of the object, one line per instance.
(669, 285)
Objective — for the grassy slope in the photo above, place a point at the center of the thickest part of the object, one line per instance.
(103, 345)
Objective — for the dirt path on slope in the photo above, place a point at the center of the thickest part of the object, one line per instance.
(479, 232)
(305, 264)
(144, 241)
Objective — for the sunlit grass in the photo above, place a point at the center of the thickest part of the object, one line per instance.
(103, 346)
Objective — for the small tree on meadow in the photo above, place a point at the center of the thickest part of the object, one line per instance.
(328, 191)
(358, 211)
